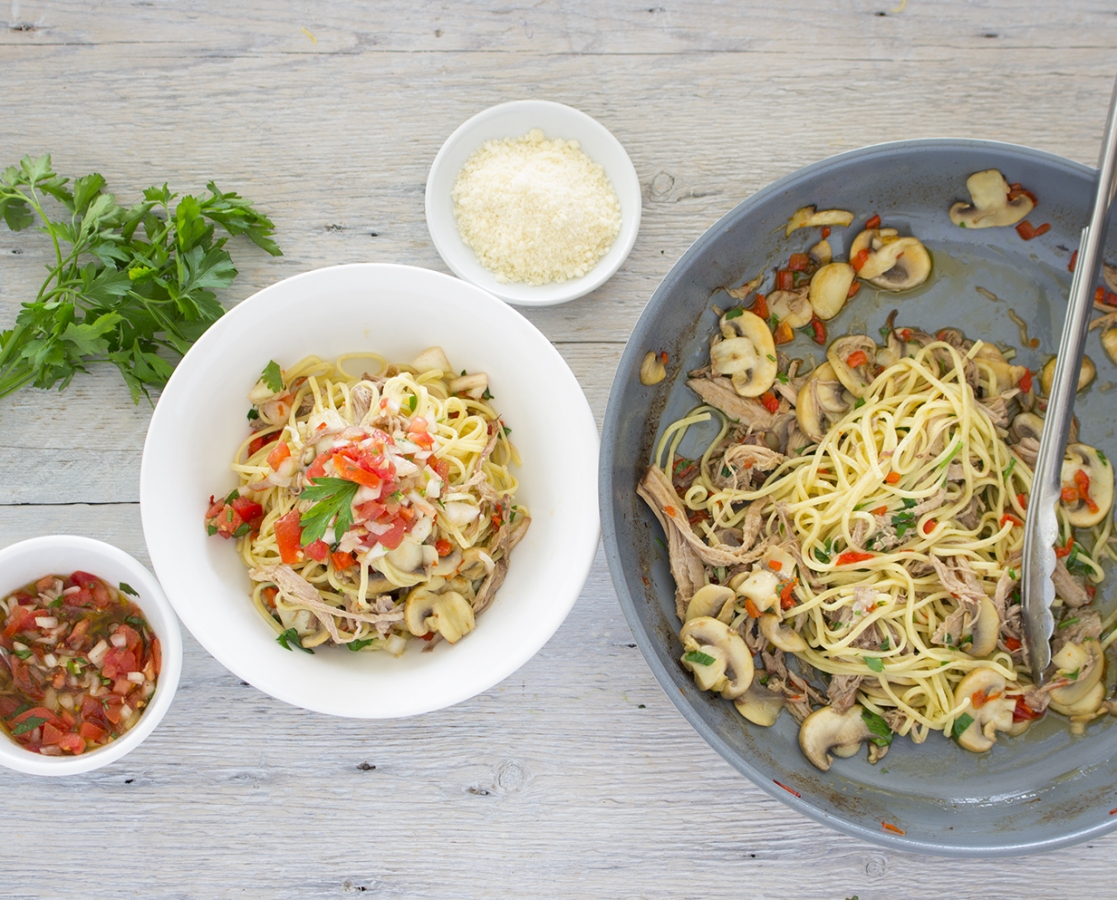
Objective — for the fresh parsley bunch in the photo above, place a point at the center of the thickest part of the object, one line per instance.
(133, 287)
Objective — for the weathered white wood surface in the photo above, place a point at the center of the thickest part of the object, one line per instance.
(575, 777)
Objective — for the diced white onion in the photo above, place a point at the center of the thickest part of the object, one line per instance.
(46, 621)
(119, 640)
(50, 660)
(136, 677)
(97, 654)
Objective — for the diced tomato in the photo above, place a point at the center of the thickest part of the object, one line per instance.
(873, 222)
(443, 547)
(856, 358)
(132, 639)
(1012, 643)
(249, 510)
(1009, 517)
(318, 467)
(1025, 382)
(849, 557)
(259, 442)
(799, 262)
(929, 526)
(880, 511)
(775, 565)
(84, 579)
(21, 676)
(91, 732)
(819, 330)
(113, 704)
(892, 477)
(783, 334)
(269, 594)
(74, 743)
(20, 619)
(318, 550)
(785, 280)
(769, 401)
(1082, 483)
(350, 471)
(760, 307)
(280, 453)
(859, 260)
(441, 468)
(119, 661)
(394, 537)
(288, 535)
(342, 561)
(123, 687)
(1023, 712)
(369, 511)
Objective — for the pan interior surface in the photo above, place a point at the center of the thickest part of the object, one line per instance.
(1044, 790)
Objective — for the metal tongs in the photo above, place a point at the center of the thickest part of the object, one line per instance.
(1041, 529)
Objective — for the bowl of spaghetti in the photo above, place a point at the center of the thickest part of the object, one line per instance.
(345, 490)
(814, 519)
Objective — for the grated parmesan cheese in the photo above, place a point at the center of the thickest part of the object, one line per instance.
(535, 210)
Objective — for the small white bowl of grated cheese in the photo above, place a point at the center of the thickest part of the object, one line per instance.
(533, 201)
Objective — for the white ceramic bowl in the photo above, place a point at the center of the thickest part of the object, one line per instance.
(510, 120)
(396, 311)
(62, 554)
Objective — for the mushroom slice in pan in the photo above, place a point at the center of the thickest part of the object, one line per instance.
(985, 630)
(1109, 343)
(997, 374)
(1085, 374)
(830, 288)
(809, 217)
(822, 252)
(852, 359)
(1087, 478)
(652, 370)
(990, 205)
(822, 400)
(749, 359)
(448, 613)
(1084, 665)
(761, 586)
(780, 636)
(760, 705)
(983, 693)
(713, 601)
(719, 658)
(791, 307)
(825, 731)
(888, 261)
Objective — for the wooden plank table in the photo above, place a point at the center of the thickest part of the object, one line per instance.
(576, 776)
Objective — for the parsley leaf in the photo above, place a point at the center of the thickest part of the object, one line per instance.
(874, 663)
(127, 286)
(882, 734)
(272, 376)
(126, 588)
(289, 637)
(334, 497)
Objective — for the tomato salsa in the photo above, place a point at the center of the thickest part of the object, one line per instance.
(78, 664)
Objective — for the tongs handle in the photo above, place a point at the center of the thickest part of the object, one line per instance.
(1042, 526)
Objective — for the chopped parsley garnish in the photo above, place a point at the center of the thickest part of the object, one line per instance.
(822, 554)
(903, 521)
(412, 402)
(681, 465)
(697, 656)
(874, 663)
(1066, 623)
(1074, 564)
(1101, 456)
(734, 314)
(273, 377)
(860, 402)
(782, 377)
(253, 414)
(359, 644)
(234, 494)
(963, 722)
(126, 588)
(882, 734)
(1073, 676)
(289, 637)
(1010, 467)
(334, 497)
(909, 502)
(23, 654)
(29, 724)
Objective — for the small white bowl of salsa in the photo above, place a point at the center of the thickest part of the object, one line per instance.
(90, 655)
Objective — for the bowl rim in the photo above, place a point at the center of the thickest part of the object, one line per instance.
(582, 555)
(448, 243)
(166, 629)
(610, 524)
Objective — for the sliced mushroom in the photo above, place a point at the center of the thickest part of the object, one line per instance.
(760, 705)
(1002, 375)
(652, 370)
(779, 635)
(791, 307)
(1088, 705)
(1085, 374)
(989, 205)
(1026, 425)
(473, 386)
(822, 400)
(808, 217)
(821, 252)
(892, 262)
(830, 288)
(730, 673)
(862, 351)
(448, 613)
(1109, 343)
(1086, 511)
(761, 586)
(1069, 662)
(993, 715)
(712, 600)
(825, 731)
(985, 630)
(750, 359)
(430, 359)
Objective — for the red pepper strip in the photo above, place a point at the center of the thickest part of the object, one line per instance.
(1025, 382)
(1082, 482)
(787, 599)
(1073, 261)
(858, 262)
(1009, 517)
(1043, 229)
(856, 358)
(819, 330)
(1066, 548)
(825, 231)
(789, 790)
(888, 826)
(261, 441)
(1028, 231)
(751, 609)
(775, 565)
(785, 280)
(799, 262)
(770, 402)
(1022, 499)
(1099, 294)
(853, 289)
(892, 477)
(853, 556)
(1012, 643)
(978, 698)
(880, 511)
(760, 306)
(443, 547)
(1023, 712)
(1069, 495)
(929, 526)
(874, 222)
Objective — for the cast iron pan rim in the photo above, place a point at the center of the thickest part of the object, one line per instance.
(629, 364)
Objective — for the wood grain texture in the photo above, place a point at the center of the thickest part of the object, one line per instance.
(576, 776)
